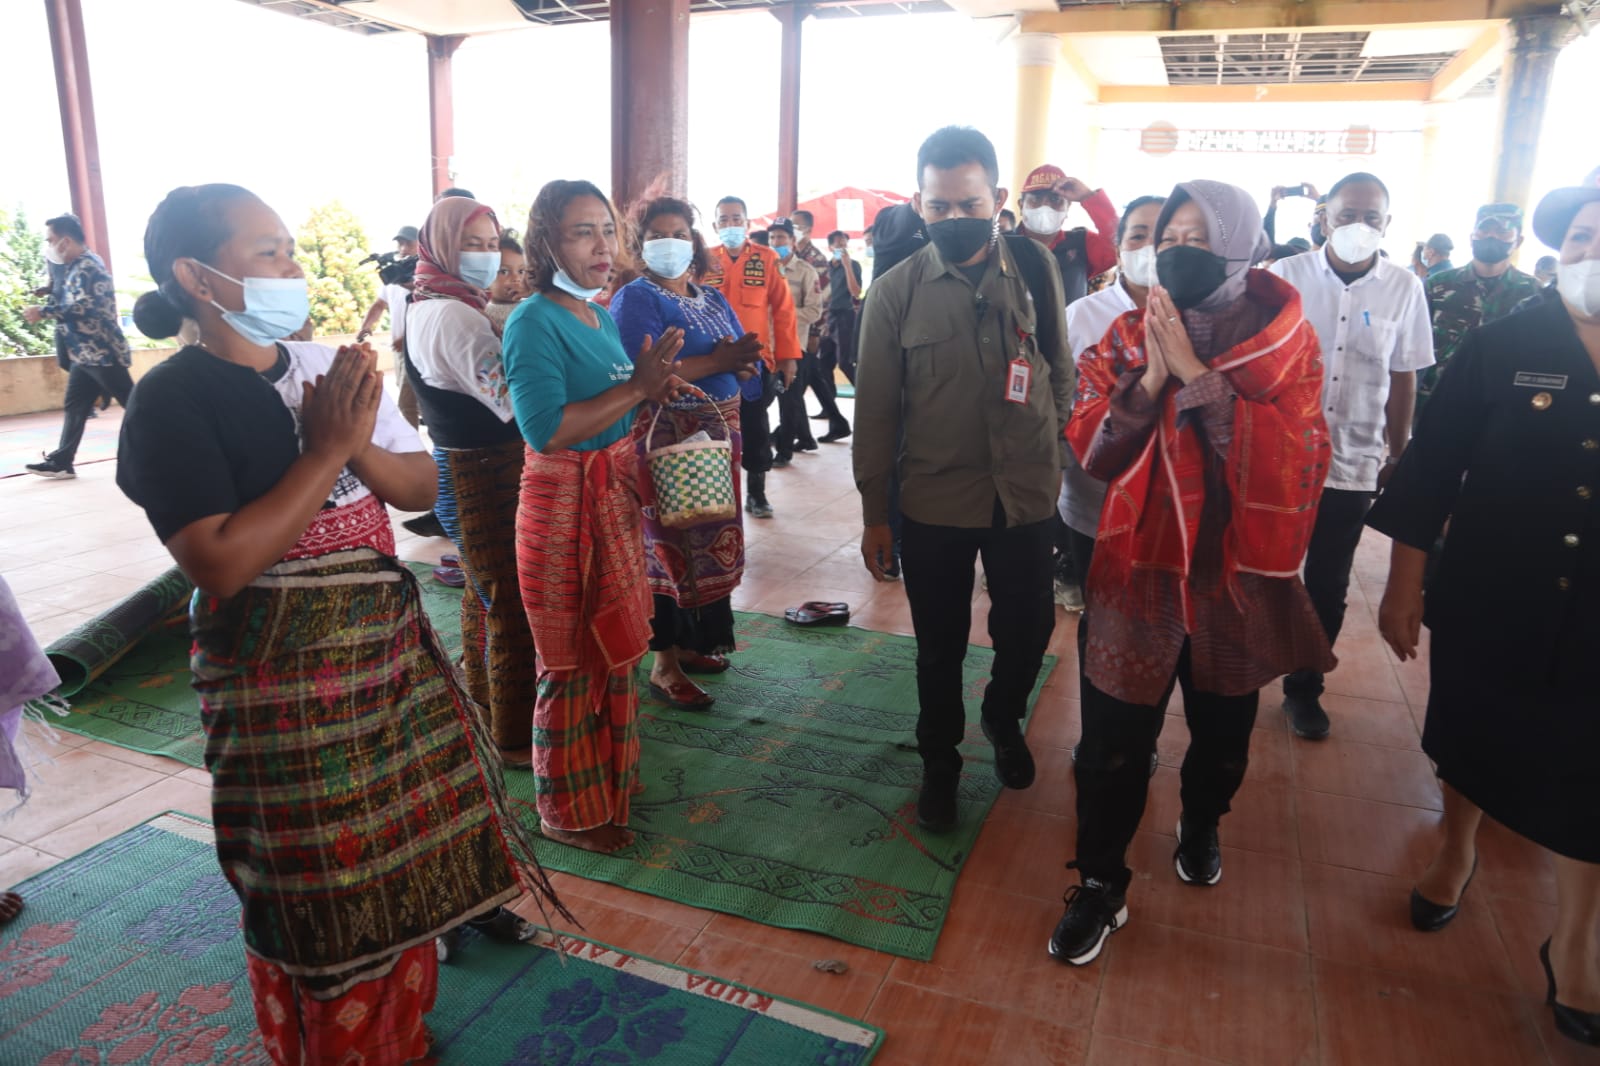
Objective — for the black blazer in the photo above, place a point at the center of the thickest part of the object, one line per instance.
(1508, 450)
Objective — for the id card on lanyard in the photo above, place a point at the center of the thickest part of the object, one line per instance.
(1018, 380)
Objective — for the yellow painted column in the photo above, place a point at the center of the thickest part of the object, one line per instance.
(1036, 74)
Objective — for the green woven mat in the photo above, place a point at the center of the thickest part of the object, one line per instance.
(789, 803)
(131, 952)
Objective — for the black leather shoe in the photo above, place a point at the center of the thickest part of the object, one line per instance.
(1013, 762)
(1580, 1025)
(1199, 855)
(833, 435)
(1430, 917)
(1306, 717)
(936, 803)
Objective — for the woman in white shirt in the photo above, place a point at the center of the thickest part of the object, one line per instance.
(453, 351)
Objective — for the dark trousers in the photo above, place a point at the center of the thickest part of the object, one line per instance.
(1113, 768)
(755, 424)
(794, 427)
(85, 385)
(938, 564)
(842, 331)
(819, 379)
(1080, 553)
(1341, 517)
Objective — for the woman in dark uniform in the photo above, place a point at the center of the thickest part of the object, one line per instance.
(1508, 450)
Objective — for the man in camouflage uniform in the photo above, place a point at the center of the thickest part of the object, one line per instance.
(1486, 289)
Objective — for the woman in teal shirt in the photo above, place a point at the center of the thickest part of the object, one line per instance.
(580, 546)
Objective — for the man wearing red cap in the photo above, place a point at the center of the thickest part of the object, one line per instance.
(1080, 253)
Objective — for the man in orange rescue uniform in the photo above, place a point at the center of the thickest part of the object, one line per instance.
(751, 277)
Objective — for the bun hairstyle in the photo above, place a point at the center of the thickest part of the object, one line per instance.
(544, 229)
(191, 223)
(648, 210)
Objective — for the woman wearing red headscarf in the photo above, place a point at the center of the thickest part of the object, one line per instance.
(453, 362)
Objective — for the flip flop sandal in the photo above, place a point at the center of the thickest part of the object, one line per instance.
(450, 560)
(802, 616)
(704, 664)
(453, 576)
(685, 696)
(821, 607)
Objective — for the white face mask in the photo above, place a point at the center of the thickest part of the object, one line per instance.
(1044, 218)
(1579, 285)
(1355, 243)
(1139, 266)
(52, 254)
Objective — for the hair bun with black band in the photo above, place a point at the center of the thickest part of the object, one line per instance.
(156, 316)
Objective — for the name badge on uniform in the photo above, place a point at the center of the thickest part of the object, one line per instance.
(1540, 381)
(1018, 380)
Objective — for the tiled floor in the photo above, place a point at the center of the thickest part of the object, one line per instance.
(1302, 955)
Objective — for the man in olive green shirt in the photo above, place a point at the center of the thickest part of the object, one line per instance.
(964, 387)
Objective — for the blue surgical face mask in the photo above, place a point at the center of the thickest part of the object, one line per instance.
(563, 281)
(783, 250)
(273, 307)
(732, 237)
(668, 257)
(838, 253)
(479, 269)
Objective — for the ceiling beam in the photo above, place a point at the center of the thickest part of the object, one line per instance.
(1275, 16)
(1296, 93)
(1471, 65)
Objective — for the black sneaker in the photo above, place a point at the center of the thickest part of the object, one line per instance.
(50, 468)
(1306, 716)
(1199, 855)
(936, 803)
(1094, 912)
(758, 508)
(425, 525)
(1013, 762)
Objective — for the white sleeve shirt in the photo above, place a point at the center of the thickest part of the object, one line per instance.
(453, 347)
(395, 296)
(1369, 329)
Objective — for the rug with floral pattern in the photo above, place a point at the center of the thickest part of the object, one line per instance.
(131, 954)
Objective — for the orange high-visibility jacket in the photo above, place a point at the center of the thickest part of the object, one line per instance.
(759, 294)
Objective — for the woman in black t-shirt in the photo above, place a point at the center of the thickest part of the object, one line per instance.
(354, 815)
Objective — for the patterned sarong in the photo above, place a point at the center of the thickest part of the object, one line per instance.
(357, 812)
(701, 564)
(580, 556)
(499, 663)
(376, 1023)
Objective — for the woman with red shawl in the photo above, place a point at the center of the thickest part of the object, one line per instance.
(1203, 413)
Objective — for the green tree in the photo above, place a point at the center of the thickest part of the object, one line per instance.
(22, 269)
(331, 245)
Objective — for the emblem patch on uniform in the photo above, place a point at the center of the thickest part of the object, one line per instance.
(755, 271)
(1540, 381)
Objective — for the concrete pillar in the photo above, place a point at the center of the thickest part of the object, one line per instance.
(76, 100)
(791, 16)
(649, 98)
(441, 109)
(1037, 54)
(1530, 63)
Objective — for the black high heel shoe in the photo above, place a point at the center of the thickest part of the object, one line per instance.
(1580, 1025)
(1430, 917)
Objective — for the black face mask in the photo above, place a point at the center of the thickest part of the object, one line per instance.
(959, 239)
(1491, 249)
(1190, 274)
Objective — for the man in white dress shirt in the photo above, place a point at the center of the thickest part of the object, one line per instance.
(1371, 316)
(1087, 321)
